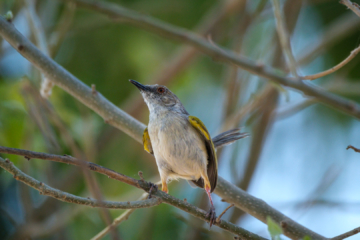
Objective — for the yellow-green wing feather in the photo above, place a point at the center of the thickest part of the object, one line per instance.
(212, 167)
(147, 142)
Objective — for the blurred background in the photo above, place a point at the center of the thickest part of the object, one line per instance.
(295, 160)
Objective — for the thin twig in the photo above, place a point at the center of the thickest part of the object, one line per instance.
(70, 198)
(347, 234)
(351, 5)
(123, 217)
(226, 209)
(93, 89)
(284, 38)
(335, 68)
(353, 148)
(165, 198)
(41, 42)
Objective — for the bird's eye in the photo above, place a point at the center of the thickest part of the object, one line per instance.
(161, 90)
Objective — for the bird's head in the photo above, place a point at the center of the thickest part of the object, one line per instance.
(158, 97)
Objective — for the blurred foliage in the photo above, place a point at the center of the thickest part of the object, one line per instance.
(274, 229)
(101, 52)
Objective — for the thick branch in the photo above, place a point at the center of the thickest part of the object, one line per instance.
(185, 206)
(70, 198)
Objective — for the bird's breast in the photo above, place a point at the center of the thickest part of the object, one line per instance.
(177, 144)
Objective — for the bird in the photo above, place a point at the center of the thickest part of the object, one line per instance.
(180, 143)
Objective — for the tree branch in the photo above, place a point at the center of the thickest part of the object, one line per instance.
(347, 234)
(335, 68)
(70, 198)
(353, 6)
(165, 198)
(218, 219)
(353, 148)
(172, 32)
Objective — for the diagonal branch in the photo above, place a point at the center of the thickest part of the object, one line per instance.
(179, 34)
(70, 198)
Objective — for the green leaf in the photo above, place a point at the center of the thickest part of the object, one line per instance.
(9, 16)
(273, 228)
(307, 238)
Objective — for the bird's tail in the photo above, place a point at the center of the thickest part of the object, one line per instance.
(228, 137)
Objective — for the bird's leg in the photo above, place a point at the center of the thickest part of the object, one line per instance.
(164, 185)
(211, 214)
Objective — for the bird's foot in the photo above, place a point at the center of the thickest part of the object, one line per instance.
(211, 214)
(153, 188)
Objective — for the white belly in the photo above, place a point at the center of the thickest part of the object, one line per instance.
(178, 148)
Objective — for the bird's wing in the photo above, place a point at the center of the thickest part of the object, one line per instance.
(212, 167)
(147, 142)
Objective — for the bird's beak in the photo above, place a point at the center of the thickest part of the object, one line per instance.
(139, 85)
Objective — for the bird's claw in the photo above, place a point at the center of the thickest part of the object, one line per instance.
(153, 188)
(211, 214)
